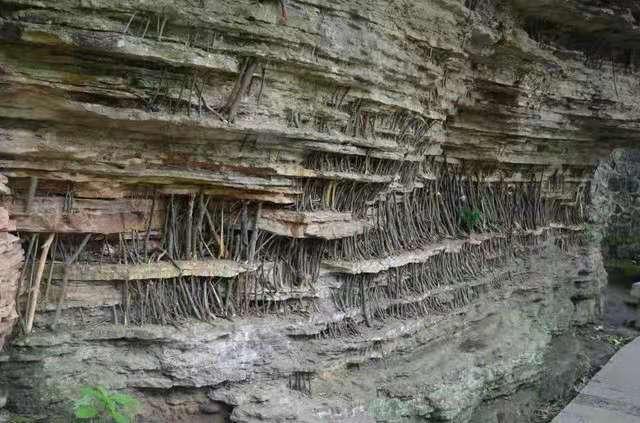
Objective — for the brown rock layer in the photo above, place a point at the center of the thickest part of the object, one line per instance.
(11, 262)
(306, 189)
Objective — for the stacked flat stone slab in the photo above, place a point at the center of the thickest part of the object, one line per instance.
(11, 259)
(613, 393)
(343, 152)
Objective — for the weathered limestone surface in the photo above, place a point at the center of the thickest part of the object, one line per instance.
(11, 258)
(612, 395)
(618, 198)
(423, 368)
(308, 210)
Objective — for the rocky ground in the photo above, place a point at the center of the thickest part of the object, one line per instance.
(596, 342)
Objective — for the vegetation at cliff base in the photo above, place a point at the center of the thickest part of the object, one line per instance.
(98, 404)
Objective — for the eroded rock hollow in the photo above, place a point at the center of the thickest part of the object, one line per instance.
(304, 210)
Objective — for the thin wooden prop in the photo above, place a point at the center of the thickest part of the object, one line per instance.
(31, 311)
(126, 28)
(53, 260)
(32, 272)
(125, 288)
(148, 233)
(23, 271)
(33, 185)
(204, 102)
(189, 251)
(244, 79)
(65, 279)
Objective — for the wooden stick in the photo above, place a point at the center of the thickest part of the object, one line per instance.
(32, 271)
(148, 233)
(204, 102)
(126, 28)
(244, 230)
(261, 85)
(125, 288)
(245, 79)
(53, 260)
(146, 27)
(218, 238)
(65, 278)
(189, 253)
(363, 300)
(31, 310)
(23, 271)
(33, 185)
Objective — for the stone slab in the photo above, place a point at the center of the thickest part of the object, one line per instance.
(613, 395)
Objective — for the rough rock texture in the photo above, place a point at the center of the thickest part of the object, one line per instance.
(11, 258)
(361, 210)
(433, 367)
(618, 200)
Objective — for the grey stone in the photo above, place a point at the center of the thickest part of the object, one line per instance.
(613, 395)
(94, 102)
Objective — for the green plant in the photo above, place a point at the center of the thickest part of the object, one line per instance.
(96, 402)
(470, 219)
(617, 341)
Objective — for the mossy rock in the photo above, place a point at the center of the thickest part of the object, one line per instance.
(623, 269)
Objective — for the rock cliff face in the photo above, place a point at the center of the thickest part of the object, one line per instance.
(307, 210)
(11, 258)
(618, 199)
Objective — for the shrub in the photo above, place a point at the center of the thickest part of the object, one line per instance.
(470, 219)
(97, 403)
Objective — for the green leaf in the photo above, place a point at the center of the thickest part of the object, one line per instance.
(86, 400)
(101, 391)
(88, 391)
(111, 407)
(125, 400)
(120, 418)
(86, 412)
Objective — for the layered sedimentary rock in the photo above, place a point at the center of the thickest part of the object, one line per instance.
(618, 200)
(11, 258)
(315, 211)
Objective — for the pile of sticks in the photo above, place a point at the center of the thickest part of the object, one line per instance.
(365, 165)
(338, 195)
(443, 283)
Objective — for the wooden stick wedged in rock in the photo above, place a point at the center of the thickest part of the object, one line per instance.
(192, 201)
(205, 104)
(197, 228)
(50, 276)
(148, 232)
(23, 271)
(33, 185)
(31, 309)
(65, 278)
(244, 79)
(125, 288)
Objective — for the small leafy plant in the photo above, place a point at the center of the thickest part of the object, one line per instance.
(470, 219)
(97, 403)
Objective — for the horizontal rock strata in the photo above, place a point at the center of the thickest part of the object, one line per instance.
(11, 257)
(254, 204)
